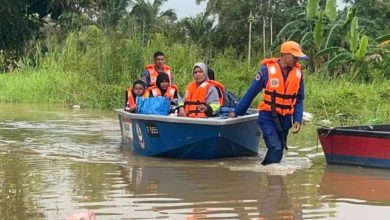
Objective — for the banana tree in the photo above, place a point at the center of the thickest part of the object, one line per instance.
(319, 29)
(356, 58)
(309, 29)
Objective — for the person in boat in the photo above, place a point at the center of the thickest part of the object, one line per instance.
(230, 99)
(131, 95)
(152, 70)
(211, 74)
(282, 104)
(203, 97)
(163, 88)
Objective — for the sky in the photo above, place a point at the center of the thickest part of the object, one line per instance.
(187, 8)
(184, 8)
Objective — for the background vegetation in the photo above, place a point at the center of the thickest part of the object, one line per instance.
(87, 52)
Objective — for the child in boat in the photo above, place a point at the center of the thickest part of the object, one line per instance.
(138, 89)
(163, 88)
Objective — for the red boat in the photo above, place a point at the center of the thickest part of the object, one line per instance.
(358, 145)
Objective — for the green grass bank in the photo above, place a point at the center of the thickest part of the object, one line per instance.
(93, 70)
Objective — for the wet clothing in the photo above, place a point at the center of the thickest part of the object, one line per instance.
(280, 93)
(150, 74)
(272, 136)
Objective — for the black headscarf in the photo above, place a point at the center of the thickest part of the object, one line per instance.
(161, 78)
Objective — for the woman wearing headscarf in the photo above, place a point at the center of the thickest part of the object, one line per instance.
(163, 88)
(203, 97)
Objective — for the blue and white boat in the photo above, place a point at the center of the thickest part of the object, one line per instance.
(192, 138)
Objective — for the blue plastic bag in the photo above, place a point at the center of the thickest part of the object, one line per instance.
(225, 111)
(153, 106)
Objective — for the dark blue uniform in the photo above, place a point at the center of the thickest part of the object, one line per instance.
(266, 120)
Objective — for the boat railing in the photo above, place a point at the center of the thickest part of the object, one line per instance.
(252, 115)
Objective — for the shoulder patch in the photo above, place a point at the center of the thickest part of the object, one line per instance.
(257, 77)
(274, 82)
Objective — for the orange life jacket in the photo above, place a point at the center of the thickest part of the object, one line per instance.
(151, 68)
(170, 93)
(130, 98)
(221, 91)
(280, 94)
(196, 95)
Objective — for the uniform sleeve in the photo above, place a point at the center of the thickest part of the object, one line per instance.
(146, 78)
(212, 99)
(255, 88)
(298, 108)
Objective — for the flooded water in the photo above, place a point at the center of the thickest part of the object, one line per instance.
(55, 162)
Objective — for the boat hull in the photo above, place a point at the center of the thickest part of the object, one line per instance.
(174, 137)
(360, 145)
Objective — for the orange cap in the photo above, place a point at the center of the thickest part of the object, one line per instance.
(293, 48)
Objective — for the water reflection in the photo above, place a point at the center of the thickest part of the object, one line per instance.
(361, 184)
(54, 162)
(17, 180)
(355, 192)
(211, 192)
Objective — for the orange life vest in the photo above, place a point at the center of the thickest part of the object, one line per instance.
(130, 98)
(221, 91)
(280, 94)
(151, 68)
(170, 93)
(196, 95)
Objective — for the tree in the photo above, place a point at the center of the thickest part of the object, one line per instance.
(377, 11)
(111, 12)
(21, 19)
(231, 29)
(150, 18)
(198, 29)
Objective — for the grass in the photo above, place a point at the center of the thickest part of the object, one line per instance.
(93, 70)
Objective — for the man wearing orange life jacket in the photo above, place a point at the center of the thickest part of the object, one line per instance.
(152, 70)
(138, 89)
(203, 97)
(282, 105)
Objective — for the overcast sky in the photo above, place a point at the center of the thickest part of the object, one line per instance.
(184, 8)
(187, 8)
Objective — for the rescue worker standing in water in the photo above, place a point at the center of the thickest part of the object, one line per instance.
(282, 104)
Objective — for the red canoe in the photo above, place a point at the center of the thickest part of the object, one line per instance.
(358, 145)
